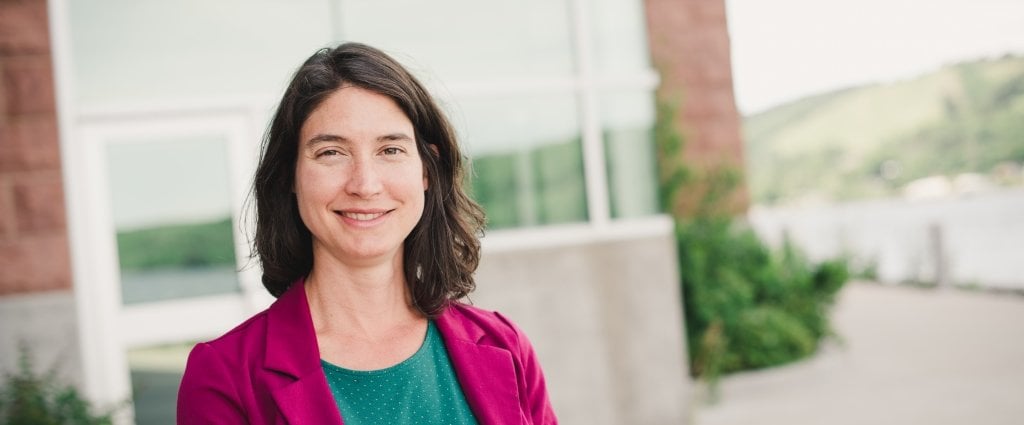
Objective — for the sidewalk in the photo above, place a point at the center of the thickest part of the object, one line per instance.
(907, 356)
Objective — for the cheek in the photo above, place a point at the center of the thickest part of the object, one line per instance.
(311, 187)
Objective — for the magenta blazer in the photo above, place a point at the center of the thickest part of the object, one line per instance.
(267, 370)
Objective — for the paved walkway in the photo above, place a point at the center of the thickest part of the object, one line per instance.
(908, 356)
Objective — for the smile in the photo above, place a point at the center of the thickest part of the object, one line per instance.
(362, 216)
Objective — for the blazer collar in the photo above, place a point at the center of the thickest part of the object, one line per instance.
(486, 371)
(302, 394)
(291, 340)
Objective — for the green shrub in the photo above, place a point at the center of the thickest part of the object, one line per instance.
(30, 399)
(769, 307)
(746, 305)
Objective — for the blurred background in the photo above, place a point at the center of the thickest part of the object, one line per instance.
(701, 211)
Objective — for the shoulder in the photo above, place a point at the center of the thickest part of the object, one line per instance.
(285, 316)
(251, 331)
(232, 349)
(474, 324)
(214, 378)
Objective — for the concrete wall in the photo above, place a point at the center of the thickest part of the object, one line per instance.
(36, 302)
(605, 319)
(45, 323)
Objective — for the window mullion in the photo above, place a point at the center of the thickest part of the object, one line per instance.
(595, 172)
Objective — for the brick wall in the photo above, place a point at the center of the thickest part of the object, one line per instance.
(33, 235)
(689, 43)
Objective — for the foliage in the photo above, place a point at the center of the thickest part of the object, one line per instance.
(179, 245)
(746, 306)
(770, 307)
(872, 140)
(30, 399)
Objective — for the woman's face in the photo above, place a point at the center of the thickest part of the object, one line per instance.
(359, 180)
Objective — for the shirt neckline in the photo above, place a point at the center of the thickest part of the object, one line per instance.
(420, 352)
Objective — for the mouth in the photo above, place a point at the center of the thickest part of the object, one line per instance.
(362, 215)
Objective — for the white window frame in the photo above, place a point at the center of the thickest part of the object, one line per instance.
(107, 328)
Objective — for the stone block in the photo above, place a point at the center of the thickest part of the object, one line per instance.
(28, 85)
(39, 203)
(45, 324)
(24, 27)
(605, 319)
(34, 264)
(29, 143)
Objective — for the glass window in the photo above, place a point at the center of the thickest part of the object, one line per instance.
(527, 162)
(460, 40)
(156, 373)
(146, 50)
(628, 119)
(619, 37)
(170, 200)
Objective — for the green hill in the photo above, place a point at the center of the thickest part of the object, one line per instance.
(871, 140)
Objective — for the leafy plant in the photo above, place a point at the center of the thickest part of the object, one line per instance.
(30, 399)
(746, 306)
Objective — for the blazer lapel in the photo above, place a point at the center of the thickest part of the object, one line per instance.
(293, 359)
(486, 373)
(307, 401)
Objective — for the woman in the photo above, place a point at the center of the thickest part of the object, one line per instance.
(368, 240)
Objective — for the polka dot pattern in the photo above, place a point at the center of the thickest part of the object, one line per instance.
(420, 390)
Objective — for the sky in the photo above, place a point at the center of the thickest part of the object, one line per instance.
(783, 50)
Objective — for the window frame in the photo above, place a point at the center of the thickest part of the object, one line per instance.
(107, 328)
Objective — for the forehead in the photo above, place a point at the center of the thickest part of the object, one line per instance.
(351, 109)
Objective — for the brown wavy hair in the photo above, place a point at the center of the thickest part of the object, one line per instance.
(443, 250)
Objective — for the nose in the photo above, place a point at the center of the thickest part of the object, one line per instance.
(364, 179)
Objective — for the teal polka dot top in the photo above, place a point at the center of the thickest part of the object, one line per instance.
(420, 390)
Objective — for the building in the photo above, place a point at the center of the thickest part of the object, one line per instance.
(130, 130)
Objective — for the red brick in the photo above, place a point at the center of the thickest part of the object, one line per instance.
(3, 96)
(689, 44)
(39, 203)
(29, 143)
(24, 27)
(28, 85)
(7, 221)
(34, 264)
(711, 12)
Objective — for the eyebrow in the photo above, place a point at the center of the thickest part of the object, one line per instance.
(325, 138)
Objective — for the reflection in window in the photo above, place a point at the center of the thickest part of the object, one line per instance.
(151, 51)
(467, 40)
(619, 37)
(156, 372)
(527, 166)
(170, 202)
(628, 119)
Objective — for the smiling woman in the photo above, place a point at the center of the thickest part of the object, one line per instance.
(369, 242)
(359, 181)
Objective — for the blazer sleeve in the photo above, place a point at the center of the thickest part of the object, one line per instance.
(208, 394)
(533, 388)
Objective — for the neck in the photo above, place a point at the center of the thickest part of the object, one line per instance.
(365, 299)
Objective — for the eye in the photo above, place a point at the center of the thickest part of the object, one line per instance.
(328, 152)
(392, 150)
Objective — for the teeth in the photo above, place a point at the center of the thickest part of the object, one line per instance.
(362, 216)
